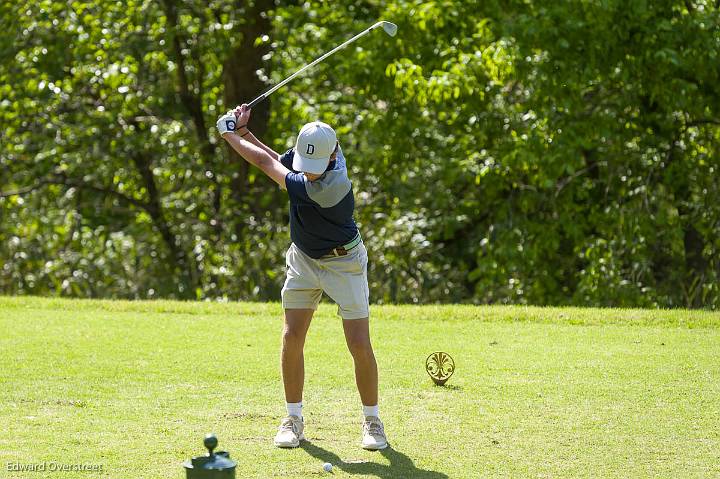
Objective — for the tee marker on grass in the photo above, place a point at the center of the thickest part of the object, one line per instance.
(440, 366)
(213, 465)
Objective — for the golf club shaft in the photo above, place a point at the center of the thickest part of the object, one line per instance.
(318, 60)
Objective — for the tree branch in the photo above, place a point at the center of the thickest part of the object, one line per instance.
(193, 104)
(23, 191)
(563, 182)
(61, 179)
(702, 121)
(155, 210)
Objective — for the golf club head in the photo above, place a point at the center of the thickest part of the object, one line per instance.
(390, 28)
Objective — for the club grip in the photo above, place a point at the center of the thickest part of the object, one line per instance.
(256, 101)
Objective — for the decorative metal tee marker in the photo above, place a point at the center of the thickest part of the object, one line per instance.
(440, 366)
(214, 465)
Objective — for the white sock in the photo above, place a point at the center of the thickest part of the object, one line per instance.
(294, 409)
(371, 411)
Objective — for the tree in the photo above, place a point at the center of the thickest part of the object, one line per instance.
(512, 152)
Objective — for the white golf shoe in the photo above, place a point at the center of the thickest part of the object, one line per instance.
(290, 432)
(373, 434)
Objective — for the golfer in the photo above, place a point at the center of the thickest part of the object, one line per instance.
(326, 254)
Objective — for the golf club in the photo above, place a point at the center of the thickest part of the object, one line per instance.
(390, 29)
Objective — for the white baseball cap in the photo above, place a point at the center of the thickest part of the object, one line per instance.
(315, 144)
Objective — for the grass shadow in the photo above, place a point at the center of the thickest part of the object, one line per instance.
(449, 387)
(401, 466)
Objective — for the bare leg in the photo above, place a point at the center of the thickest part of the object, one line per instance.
(292, 361)
(357, 336)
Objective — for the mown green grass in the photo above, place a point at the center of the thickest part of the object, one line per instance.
(538, 392)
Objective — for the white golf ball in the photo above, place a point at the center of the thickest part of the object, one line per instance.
(327, 467)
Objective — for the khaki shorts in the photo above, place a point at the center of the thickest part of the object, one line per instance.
(342, 278)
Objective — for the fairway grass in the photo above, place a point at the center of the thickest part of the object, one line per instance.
(538, 392)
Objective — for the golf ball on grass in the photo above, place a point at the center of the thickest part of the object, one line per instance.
(327, 467)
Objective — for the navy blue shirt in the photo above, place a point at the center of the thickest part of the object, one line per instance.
(321, 211)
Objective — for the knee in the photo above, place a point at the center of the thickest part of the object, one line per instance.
(293, 336)
(360, 347)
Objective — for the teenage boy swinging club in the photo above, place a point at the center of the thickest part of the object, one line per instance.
(326, 254)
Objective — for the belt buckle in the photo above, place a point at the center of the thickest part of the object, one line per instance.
(340, 251)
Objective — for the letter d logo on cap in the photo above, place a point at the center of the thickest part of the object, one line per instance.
(313, 148)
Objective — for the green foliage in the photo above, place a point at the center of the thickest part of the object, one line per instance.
(503, 152)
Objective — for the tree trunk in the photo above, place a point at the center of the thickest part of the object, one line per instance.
(241, 82)
(242, 85)
(187, 273)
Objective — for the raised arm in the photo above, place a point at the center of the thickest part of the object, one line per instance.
(252, 153)
(243, 117)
